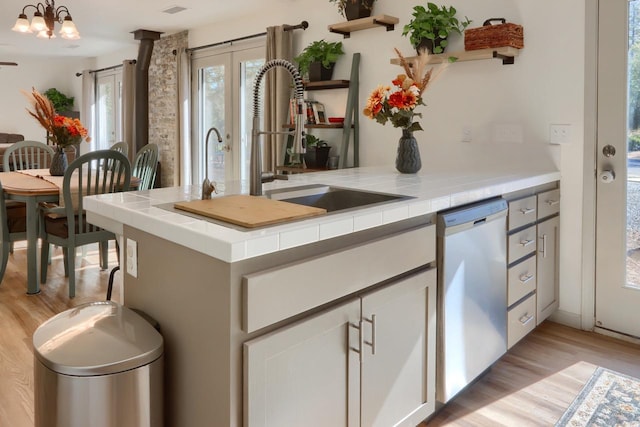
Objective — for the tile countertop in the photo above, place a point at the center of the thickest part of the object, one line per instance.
(433, 191)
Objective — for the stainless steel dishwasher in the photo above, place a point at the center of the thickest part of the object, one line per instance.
(472, 293)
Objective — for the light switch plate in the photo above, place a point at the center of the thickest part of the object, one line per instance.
(132, 257)
(559, 133)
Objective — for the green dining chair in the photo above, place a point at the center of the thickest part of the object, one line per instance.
(13, 227)
(27, 155)
(67, 226)
(145, 166)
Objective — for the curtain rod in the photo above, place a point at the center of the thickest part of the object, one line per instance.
(303, 26)
(113, 67)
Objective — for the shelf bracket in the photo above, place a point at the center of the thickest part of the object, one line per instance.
(388, 26)
(345, 34)
(506, 60)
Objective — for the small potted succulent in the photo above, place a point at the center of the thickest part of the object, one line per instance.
(430, 27)
(318, 59)
(354, 9)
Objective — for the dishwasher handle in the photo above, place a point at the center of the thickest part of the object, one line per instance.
(475, 222)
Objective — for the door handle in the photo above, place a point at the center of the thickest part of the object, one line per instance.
(358, 350)
(607, 176)
(544, 245)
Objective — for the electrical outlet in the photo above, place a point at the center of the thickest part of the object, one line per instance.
(132, 257)
(559, 134)
(467, 134)
(507, 133)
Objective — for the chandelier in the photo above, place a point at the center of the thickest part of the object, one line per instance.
(44, 19)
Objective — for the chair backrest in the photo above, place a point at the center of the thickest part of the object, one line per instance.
(145, 166)
(89, 175)
(27, 155)
(4, 226)
(121, 147)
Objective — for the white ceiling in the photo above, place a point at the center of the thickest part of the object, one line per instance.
(105, 26)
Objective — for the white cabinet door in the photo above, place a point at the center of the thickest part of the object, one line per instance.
(548, 283)
(398, 355)
(305, 374)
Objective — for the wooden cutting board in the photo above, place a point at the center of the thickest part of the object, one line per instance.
(249, 211)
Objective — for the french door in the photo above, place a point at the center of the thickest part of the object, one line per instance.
(108, 110)
(222, 100)
(618, 168)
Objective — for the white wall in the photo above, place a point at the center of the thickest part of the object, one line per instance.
(41, 74)
(544, 86)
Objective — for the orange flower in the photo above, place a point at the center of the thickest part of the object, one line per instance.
(375, 102)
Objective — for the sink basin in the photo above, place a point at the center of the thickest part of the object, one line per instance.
(332, 198)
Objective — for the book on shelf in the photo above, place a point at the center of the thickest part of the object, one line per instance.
(318, 113)
(310, 117)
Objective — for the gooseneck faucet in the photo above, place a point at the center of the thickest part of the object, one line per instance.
(207, 186)
(298, 140)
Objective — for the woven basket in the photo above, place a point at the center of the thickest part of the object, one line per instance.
(488, 36)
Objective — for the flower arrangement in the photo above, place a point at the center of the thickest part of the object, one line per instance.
(397, 104)
(62, 131)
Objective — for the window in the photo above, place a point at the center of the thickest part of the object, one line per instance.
(108, 109)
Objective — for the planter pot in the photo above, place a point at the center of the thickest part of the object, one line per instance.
(430, 45)
(317, 73)
(317, 157)
(358, 9)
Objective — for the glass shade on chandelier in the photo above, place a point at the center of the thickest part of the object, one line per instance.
(44, 19)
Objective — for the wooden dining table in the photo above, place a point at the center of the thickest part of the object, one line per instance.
(32, 187)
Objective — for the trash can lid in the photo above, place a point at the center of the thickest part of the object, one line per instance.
(95, 339)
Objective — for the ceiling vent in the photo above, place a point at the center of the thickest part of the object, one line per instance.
(174, 9)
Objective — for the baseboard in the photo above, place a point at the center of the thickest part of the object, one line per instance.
(623, 337)
(566, 318)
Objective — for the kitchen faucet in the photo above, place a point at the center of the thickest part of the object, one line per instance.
(207, 186)
(255, 175)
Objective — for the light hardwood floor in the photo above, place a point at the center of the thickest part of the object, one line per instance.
(530, 386)
(21, 314)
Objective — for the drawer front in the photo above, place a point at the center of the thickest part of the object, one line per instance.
(548, 203)
(521, 320)
(522, 243)
(522, 212)
(281, 292)
(521, 280)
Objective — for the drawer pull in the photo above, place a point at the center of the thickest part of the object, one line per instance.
(526, 211)
(526, 243)
(553, 202)
(372, 343)
(525, 278)
(357, 326)
(526, 319)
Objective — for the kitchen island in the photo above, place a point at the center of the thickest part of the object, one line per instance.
(279, 323)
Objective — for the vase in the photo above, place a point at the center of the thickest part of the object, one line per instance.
(357, 9)
(58, 162)
(408, 158)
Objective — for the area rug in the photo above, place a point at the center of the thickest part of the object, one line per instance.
(608, 399)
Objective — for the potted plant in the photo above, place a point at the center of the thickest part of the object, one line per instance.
(318, 59)
(60, 101)
(354, 9)
(317, 152)
(431, 26)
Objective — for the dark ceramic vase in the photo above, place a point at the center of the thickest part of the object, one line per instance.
(357, 9)
(408, 158)
(58, 162)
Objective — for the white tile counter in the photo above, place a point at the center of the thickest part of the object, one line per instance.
(432, 192)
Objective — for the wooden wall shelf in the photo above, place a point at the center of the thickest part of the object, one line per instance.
(507, 54)
(346, 28)
(327, 84)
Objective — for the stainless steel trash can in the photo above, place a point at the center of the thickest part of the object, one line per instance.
(100, 365)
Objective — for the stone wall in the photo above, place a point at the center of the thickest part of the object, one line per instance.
(163, 96)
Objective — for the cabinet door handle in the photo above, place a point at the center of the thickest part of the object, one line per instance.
(526, 211)
(358, 350)
(372, 343)
(525, 278)
(553, 202)
(544, 246)
(526, 319)
(526, 243)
